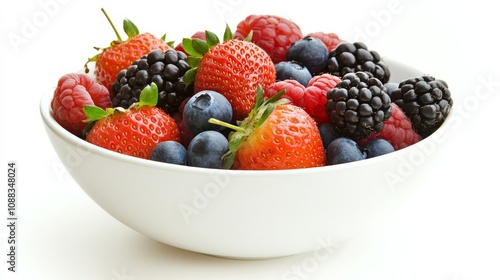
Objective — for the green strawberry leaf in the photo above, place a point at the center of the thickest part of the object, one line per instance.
(249, 36)
(193, 61)
(187, 44)
(189, 76)
(275, 97)
(211, 38)
(148, 96)
(130, 28)
(228, 160)
(93, 113)
(170, 44)
(269, 109)
(240, 135)
(228, 34)
(234, 145)
(200, 46)
(260, 97)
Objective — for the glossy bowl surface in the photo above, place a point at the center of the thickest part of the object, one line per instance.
(244, 214)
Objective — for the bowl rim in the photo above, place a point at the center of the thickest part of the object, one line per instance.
(50, 123)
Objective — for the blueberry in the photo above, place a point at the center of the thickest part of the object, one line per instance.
(378, 147)
(206, 149)
(343, 150)
(311, 52)
(327, 133)
(169, 152)
(390, 87)
(292, 70)
(204, 105)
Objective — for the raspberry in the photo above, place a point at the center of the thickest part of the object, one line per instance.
(315, 96)
(397, 130)
(331, 40)
(72, 92)
(311, 98)
(294, 91)
(273, 34)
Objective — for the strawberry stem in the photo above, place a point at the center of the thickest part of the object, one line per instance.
(225, 124)
(112, 25)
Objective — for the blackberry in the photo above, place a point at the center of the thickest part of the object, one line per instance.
(354, 57)
(425, 100)
(358, 105)
(165, 69)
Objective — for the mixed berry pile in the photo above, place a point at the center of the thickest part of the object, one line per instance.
(265, 97)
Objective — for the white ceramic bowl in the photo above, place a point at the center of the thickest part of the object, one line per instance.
(244, 214)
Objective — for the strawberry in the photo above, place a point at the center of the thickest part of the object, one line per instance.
(134, 131)
(120, 54)
(275, 135)
(73, 91)
(233, 68)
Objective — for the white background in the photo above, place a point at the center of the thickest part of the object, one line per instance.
(449, 230)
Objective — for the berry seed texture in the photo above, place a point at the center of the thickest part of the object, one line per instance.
(269, 96)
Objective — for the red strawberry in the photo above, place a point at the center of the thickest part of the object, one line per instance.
(73, 91)
(311, 98)
(120, 54)
(134, 131)
(275, 135)
(272, 33)
(397, 130)
(234, 68)
(331, 40)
